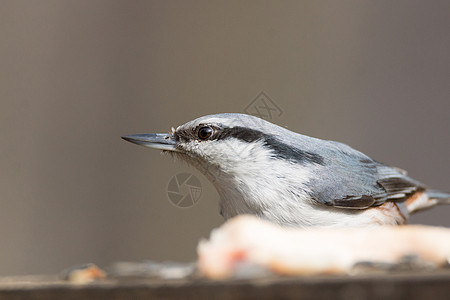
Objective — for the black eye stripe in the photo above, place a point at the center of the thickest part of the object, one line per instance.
(241, 133)
(280, 149)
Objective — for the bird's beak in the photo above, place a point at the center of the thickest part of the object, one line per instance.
(161, 141)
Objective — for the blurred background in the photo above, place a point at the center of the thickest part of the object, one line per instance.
(76, 75)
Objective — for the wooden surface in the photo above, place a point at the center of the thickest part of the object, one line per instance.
(429, 286)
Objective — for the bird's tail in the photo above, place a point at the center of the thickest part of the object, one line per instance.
(423, 200)
(440, 197)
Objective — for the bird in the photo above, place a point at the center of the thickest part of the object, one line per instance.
(262, 169)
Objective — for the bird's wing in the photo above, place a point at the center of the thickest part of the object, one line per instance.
(350, 179)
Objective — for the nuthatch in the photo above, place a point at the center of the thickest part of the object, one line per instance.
(262, 169)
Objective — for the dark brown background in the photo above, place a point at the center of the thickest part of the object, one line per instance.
(75, 75)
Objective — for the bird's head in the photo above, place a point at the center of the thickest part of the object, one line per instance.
(228, 145)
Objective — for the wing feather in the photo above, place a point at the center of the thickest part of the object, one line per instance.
(350, 179)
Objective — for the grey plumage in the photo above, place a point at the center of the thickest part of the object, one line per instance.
(266, 170)
(441, 197)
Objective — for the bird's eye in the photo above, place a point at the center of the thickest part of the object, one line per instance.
(204, 132)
